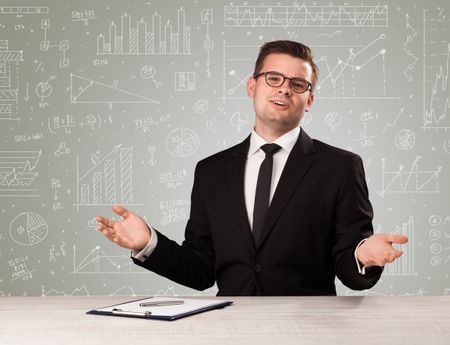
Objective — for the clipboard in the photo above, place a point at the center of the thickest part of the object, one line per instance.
(187, 307)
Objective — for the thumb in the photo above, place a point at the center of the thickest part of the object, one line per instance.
(121, 211)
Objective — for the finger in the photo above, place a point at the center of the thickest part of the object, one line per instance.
(400, 239)
(392, 256)
(101, 227)
(382, 261)
(121, 211)
(389, 259)
(108, 232)
(112, 237)
(105, 221)
(386, 260)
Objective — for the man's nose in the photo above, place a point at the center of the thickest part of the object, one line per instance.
(285, 88)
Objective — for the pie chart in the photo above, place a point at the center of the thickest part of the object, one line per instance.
(405, 140)
(28, 229)
(182, 142)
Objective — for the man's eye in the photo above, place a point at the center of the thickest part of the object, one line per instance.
(274, 78)
(299, 84)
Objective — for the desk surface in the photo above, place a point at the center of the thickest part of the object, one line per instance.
(251, 320)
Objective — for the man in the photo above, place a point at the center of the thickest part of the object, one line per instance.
(319, 222)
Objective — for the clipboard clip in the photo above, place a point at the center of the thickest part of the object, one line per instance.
(117, 311)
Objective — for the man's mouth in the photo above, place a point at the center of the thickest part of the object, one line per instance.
(279, 103)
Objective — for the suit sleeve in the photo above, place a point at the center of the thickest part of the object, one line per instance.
(191, 263)
(353, 222)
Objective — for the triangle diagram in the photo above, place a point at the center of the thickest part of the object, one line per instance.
(84, 90)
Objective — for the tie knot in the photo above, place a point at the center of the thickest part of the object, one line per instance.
(270, 148)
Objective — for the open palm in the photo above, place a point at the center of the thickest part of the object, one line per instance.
(131, 232)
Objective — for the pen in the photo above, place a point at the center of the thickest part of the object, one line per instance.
(160, 303)
(129, 312)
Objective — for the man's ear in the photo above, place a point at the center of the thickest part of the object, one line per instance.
(251, 87)
(310, 102)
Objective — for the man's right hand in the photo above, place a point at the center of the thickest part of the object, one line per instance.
(131, 232)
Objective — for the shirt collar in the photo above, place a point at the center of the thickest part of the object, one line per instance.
(286, 141)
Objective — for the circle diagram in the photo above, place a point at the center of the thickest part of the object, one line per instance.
(405, 140)
(239, 119)
(201, 106)
(148, 72)
(435, 220)
(333, 120)
(28, 229)
(434, 234)
(43, 90)
(182, 142)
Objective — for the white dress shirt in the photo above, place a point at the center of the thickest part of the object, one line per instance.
(255, 157)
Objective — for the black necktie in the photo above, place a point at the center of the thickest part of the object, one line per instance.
(262, 195)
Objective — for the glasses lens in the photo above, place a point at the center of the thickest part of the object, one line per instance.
(274, 79)
(299, 85)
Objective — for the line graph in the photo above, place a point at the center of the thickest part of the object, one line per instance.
(342, 78)
(125, 290)
(302, 15)
(413, 180)
(345, 77)
(436, 61)
(98, 261)
(237, 68)
(391, 125)
(81, 291)
(21, 10)
(409, 42)
(18, 173)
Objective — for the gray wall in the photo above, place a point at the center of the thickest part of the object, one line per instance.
(86, 124)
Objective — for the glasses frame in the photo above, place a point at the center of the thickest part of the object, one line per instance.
(309, 88)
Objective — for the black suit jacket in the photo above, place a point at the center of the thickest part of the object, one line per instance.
(320, 211)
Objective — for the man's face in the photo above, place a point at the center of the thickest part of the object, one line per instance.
(279, 108)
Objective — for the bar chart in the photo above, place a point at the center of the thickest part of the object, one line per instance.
(143, 38)
(404, 266)
(109, 181)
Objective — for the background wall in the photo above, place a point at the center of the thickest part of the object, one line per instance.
(114, 102)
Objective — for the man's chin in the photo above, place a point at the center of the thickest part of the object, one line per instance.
(283, 121)
(282, 125)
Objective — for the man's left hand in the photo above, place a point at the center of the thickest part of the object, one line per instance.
(377, 250)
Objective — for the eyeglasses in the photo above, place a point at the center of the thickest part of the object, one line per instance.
(276, 79)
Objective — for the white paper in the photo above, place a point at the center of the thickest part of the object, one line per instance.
(188, 306)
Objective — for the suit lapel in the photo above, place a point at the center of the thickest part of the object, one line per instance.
(236, 171)
(299, 162)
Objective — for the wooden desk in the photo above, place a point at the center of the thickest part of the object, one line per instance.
(251, 320)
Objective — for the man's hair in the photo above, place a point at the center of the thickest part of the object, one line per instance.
(291, 48)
